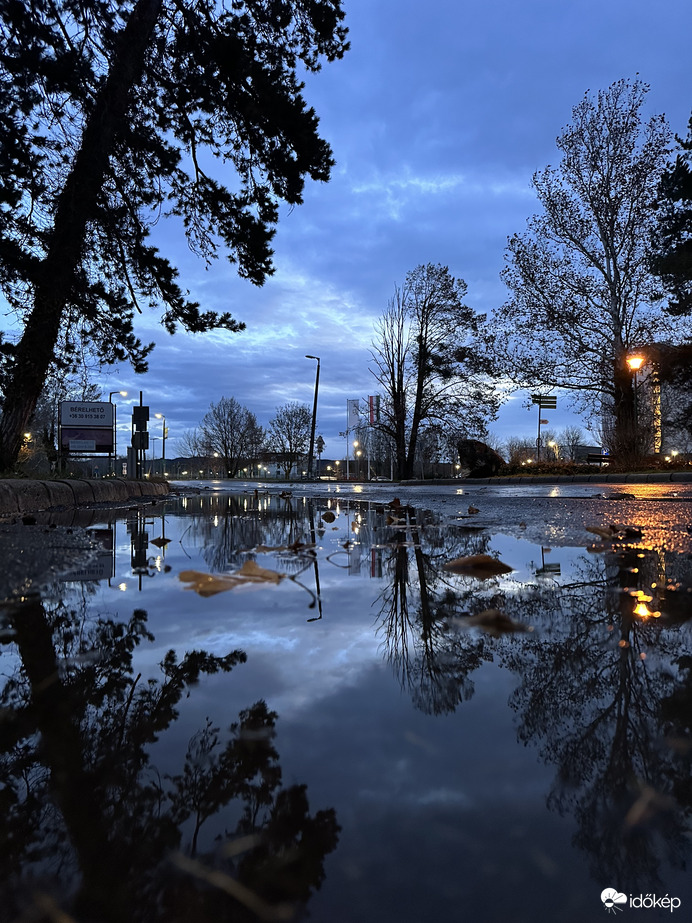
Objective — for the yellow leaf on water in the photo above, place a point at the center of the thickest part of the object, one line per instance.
(256, 574)
(208, 584)
(481, 566)
(211, 584)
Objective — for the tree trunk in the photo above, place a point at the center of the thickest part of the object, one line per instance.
(75, 208)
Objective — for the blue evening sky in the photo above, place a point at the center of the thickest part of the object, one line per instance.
(438, 117)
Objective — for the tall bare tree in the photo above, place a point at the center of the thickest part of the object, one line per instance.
(232, 432)
(582, 294)
(289, 434)
(428, 362)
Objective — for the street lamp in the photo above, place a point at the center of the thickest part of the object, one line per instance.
(115, 428)
(160, 416)
(314, 415)
(634, 363)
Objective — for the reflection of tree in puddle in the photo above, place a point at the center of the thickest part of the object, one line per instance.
(432, 663)
(90, 825)
(228, 527)
(599, 696)
(605, 684)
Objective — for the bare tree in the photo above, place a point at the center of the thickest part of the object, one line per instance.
(289, 434)
(582, 295)
(569, 439)
(427, 360)
(232, 432)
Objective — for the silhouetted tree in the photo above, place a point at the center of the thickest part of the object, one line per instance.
(113, 113)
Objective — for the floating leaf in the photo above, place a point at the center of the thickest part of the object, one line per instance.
(496, 623)
(482, 566)
(473, 509)
(211, 584)
(606, 532)
(256, 574)
(328, 516)
(160, 542)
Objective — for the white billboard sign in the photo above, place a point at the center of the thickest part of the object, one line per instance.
(84, 414)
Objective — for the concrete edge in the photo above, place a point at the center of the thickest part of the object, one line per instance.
(19, 495)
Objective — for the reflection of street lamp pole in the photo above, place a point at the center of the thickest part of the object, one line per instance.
(634, 363)
(160, 416)
(115, 429)
(314, 416)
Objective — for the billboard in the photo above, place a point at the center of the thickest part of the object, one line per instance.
(86, 427)
(86, 439)
(86, 414)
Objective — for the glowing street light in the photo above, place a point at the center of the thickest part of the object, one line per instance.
(115, 428)
(634, 363)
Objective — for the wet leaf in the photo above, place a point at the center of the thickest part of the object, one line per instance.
(481, 566)
(328, 516)
(606, 532)
(160, 542)
(473, 509)
(496, 623)
(211, 584)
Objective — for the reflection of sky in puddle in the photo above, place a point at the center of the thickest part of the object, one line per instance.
(497, 773)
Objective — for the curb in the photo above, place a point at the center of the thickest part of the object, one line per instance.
(19, 495)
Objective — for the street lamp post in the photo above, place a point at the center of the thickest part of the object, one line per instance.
(160, 416)
(115, 431)
(314, 415)
(634, 363)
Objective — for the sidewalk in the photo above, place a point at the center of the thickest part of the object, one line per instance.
(642, 477)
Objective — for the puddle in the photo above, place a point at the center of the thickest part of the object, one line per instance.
(343, 724)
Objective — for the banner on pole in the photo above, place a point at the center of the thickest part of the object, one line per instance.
(352, 413)
(374, 409)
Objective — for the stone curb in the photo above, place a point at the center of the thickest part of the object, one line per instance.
(19, 495)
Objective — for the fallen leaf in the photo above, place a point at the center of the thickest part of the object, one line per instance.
(496, 623)
(256, 574)
(482, 566)
(160, 542)
(606, 532)
(211, 584)
(328, 516)
(208, 584)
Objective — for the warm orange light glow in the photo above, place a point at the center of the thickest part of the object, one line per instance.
(643, 611)
(635, 362)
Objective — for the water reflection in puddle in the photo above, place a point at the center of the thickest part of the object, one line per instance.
(345, 725)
